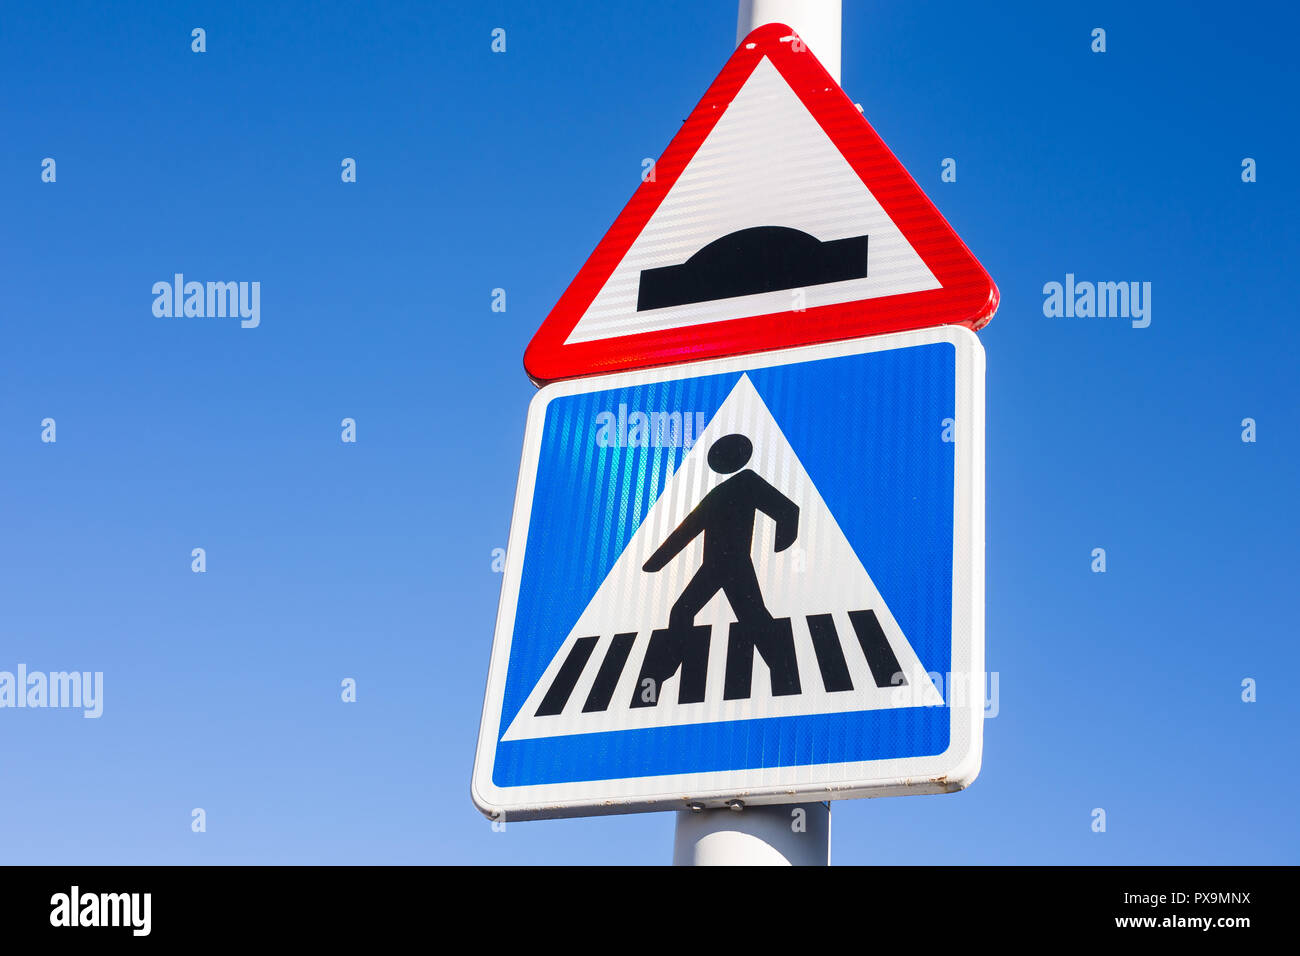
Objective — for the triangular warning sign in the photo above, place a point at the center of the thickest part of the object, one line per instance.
(776, 217)
(689, 628)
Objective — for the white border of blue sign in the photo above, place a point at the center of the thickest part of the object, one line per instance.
(949, 771)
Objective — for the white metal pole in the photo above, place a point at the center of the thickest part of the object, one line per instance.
(781, 835)
(816, 21)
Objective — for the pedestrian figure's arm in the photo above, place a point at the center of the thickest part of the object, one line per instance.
(679, 539)
(781, 510)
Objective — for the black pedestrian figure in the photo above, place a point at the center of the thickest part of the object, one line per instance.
(725, 516)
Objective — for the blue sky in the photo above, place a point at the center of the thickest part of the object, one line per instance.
(478, 170)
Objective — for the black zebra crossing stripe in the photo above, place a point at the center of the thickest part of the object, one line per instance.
(880, 656)
(670, 650)
(775, 644)
(602, 691)
(830, 659)
(670, 654)
(558, 694)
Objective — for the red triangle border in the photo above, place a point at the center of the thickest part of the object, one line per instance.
(967, 295)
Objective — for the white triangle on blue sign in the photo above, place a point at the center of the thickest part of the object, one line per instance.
(819, 584)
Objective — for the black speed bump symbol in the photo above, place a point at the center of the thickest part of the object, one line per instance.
(761, 259)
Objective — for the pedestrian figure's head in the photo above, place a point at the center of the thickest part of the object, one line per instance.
(730, 453)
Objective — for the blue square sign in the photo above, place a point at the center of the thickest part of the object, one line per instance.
(757, 578)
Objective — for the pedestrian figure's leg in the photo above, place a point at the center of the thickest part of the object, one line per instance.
(680, 645)
(775, 641)
(694, 596)
(755, 629)
(737, 679)
(745, 596)
(668, 651)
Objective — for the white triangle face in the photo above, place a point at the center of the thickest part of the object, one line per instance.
(767, 162)
(817, 583)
